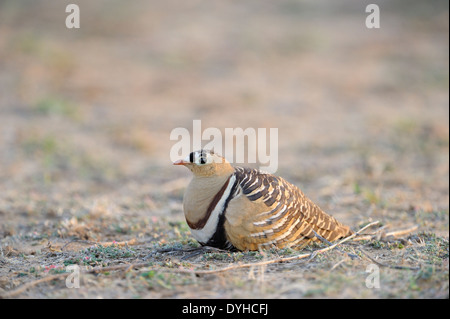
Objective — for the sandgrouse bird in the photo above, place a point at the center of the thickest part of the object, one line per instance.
(245, 209)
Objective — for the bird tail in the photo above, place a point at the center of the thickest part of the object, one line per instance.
(335, 230)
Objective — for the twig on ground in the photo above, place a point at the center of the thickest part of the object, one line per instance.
(387, 236)
(76, 240)
(97, 270)
(352, 256)
(386, 265)
(130, 242)
(28, 285)
(402, 232)
(338, 264)
(104, 244)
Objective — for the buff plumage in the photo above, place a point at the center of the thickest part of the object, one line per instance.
(245, 209)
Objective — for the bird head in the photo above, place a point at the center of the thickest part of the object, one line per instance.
(206, 163)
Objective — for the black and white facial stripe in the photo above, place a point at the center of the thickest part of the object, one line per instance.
(201, 157)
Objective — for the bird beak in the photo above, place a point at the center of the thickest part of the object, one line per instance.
(180, 162)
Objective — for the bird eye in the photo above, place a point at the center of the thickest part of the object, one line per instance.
(201, 157)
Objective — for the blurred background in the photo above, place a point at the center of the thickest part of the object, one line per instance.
(85, 114)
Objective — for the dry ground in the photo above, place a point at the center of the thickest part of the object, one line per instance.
(85, 118)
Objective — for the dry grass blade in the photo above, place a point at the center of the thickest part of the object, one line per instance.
(28, 285)
(386, 265)
(387, 236)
